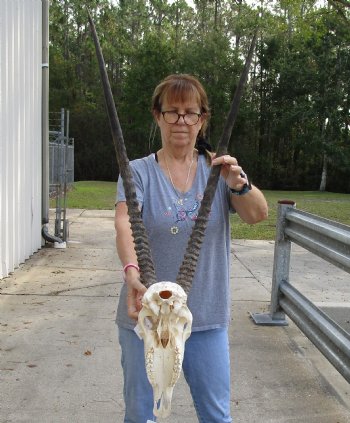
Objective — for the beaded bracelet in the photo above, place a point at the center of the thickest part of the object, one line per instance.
(135, 266)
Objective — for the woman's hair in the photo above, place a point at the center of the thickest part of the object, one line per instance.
(181, 88)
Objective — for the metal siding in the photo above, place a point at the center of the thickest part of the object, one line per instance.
(2, 146)
(2, 135)
(20, 131)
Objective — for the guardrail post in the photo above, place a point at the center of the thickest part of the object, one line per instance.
(281, 262)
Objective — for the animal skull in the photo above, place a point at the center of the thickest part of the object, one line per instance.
(164, 324)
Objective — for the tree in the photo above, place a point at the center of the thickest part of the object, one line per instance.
(293, 126)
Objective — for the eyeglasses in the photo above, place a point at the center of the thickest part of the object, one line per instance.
(189, 118)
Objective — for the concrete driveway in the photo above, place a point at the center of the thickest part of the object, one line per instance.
(59, 355)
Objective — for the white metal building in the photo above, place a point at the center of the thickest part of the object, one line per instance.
(20, 131)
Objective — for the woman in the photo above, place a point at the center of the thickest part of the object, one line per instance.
(169, 187)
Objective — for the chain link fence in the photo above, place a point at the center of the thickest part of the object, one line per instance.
(61, 167)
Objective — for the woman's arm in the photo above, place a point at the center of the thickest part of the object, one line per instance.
(127, 255)
(251, 206)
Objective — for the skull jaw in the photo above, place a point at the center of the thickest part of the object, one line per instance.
(163, 370)
(165, 324)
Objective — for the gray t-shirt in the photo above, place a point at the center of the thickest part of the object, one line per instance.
(169, 218)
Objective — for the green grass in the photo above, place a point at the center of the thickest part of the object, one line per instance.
(96, 195)
(330, 205)
(92, 195)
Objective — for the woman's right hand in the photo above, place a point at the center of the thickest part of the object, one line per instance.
(135, 292)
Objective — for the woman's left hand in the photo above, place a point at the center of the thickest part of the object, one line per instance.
(231, 171)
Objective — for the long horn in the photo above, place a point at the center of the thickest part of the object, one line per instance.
(143, 251)
(188, 266)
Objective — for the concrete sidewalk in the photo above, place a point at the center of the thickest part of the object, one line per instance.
(59, 355)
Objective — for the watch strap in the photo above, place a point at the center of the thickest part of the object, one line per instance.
(246, 187)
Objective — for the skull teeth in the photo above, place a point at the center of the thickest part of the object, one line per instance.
(149, 365)
(149, 360)
(177, 366)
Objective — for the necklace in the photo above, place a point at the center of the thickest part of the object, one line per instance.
(180, 200)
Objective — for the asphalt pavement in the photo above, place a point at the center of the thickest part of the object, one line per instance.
(60, 358)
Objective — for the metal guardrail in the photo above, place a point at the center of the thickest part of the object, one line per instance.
(330, 241)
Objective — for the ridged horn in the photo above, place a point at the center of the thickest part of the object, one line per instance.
(143, 251)
(188, 266)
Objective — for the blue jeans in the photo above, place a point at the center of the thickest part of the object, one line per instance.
(206, 368)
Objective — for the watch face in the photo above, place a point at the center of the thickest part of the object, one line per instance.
(245, 176)
(249, 185)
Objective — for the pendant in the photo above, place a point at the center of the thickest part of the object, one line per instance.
(180, 202)
(174, 230)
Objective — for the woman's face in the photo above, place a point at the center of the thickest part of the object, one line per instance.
(179, 134)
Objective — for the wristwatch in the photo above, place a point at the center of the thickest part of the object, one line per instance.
(246, 187)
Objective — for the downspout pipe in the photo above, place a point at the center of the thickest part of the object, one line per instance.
(45, 112)
(58, 242)
(48, 237)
